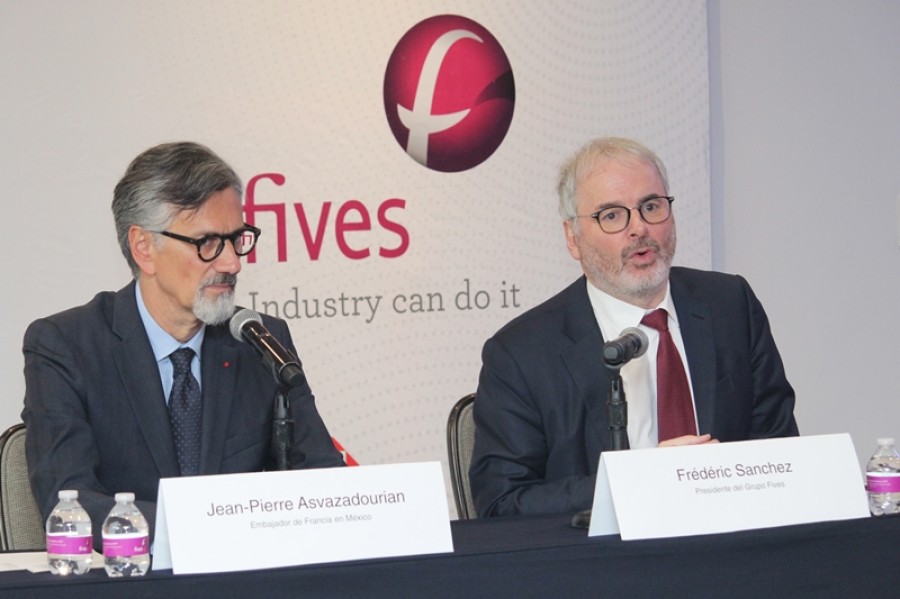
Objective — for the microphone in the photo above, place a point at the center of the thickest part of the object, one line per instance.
(246, 325)
(632, 343)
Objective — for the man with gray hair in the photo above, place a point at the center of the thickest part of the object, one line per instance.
(148, 382)
(711, 371)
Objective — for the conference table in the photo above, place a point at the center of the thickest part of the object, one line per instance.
(543, 556)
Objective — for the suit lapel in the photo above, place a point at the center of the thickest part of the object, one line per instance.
(699, 345)
(583, 358)
(139, 375)
(219, 372)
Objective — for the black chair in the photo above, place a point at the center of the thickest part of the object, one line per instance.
(460, 441)
(21, 525)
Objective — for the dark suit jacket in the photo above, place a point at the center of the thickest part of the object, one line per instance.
(97, 419)
(541, 411)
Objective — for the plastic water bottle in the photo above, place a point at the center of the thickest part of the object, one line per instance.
(126, 539)
(69, 540)
(883, 479)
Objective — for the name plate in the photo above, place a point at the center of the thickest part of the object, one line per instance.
(230, 522)
(724, 487)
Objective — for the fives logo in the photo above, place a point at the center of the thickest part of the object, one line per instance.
(449, 93)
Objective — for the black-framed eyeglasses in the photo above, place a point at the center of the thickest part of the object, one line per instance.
(615, 219)
(210, 246)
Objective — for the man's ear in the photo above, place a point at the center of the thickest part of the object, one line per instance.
(143, 248)
(569, 229)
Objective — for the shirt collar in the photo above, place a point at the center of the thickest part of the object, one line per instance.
(162, 342)
(615, 315)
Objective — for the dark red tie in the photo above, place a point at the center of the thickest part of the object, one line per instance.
(674, 407)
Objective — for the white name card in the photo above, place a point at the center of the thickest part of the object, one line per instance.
(724, 487)
(232, 522)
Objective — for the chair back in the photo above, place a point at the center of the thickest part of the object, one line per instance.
(460, 442)
(21, 524)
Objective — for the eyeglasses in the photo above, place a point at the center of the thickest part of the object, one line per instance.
(210, 246)
(614, 219)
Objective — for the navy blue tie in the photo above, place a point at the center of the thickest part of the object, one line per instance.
(184, 412)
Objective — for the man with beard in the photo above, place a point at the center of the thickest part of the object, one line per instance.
(540, 407)
(148, 382)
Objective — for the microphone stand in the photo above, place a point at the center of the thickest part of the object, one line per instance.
(247, 325)
(617, 413)
(282, 430)
(617, 409)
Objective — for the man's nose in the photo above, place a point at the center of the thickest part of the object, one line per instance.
(637, 226)
(228, 261)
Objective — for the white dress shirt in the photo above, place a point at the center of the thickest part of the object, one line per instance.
(639, 375)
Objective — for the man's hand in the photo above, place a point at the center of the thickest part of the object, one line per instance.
(689, 440)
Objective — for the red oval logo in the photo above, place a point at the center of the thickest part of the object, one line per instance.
(449, 93)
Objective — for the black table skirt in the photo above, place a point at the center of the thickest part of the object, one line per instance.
(542, 556)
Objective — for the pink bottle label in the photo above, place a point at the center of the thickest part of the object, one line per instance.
(68, 545)
(126, 545)
(882, 483)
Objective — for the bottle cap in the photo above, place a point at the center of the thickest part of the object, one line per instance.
(68, 494)
(124, 497)
(885, 441)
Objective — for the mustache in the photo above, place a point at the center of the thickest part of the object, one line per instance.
(220, 279)
(643, 243)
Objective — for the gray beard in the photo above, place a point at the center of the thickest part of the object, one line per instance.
(214, 310)
(611, 276)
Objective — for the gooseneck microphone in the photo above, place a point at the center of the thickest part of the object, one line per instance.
(631, 344)
(246, 325)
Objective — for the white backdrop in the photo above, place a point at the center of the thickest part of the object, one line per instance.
(296, 89)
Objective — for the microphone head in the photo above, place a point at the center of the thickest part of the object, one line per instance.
(632, 343)
(240, 318)
(641, 341)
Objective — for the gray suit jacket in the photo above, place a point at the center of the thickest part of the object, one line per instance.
(541, 410)
(97, 418)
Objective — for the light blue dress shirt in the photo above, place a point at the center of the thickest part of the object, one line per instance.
(164, 344)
